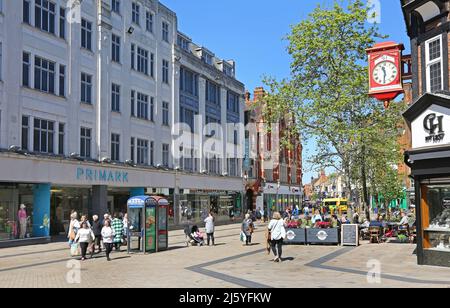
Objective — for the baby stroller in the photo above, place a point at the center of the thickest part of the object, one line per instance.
(191, 238)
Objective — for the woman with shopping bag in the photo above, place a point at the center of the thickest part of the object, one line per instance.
(84, 237)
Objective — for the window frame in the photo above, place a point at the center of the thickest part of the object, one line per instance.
(429, 63)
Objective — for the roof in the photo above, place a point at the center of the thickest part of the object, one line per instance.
(441, 98)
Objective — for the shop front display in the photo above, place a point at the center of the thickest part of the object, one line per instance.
(429, 160)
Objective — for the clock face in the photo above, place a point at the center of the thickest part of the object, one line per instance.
(385, 73)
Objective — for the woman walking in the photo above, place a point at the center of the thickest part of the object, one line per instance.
(108, 238)
(97, 230)
(84, 237)
(73, 227)
(209, 226)
(277, 234)
(117, 226)
(247, 228)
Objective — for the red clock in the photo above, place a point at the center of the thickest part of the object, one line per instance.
(385, 71)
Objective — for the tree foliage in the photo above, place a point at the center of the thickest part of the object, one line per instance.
(327, 94)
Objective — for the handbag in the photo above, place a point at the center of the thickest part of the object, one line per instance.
(243, 237)
(74, 250)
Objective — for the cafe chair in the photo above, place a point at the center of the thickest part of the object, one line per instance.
(413, 235)
(375, 234)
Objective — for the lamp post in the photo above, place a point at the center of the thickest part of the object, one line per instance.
(276, 199)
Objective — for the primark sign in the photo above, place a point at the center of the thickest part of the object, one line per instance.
(101, 175)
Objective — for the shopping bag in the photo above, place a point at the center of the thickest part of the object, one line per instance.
(243, 237)
(74, 250)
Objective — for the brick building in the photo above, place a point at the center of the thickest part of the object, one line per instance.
(273, 173)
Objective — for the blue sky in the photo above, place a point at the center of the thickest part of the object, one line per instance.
(251, 32)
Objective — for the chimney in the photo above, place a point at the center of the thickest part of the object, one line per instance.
(258, 93)
(247, 96)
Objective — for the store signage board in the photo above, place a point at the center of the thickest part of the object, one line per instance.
(350, 235)
(431, 128)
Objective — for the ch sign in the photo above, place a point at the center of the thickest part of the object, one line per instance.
(431, 128)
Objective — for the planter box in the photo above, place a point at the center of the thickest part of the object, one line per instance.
(322, 236)
(295, 236)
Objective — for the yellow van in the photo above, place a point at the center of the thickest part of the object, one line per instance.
(336, 204)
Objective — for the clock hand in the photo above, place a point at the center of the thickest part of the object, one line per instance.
(384, 74)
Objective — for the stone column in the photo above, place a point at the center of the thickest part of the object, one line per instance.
(99, 200)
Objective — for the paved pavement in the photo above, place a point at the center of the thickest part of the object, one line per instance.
(228, 264)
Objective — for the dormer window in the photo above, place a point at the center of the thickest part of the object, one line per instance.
(433, 58)
(228, 70)
(208, 58)
(183, 43)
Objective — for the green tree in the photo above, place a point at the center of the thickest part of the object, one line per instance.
(327, 94)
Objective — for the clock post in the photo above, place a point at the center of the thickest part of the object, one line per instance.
(385, 71)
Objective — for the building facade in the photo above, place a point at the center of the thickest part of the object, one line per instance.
(428, 26)
(90, 95)
(273, 172)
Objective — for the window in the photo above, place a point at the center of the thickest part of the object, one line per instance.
(142, 152)
(235, 137)
(62, 80)
(142, 106)
(212, 93)
(26, 11)
(44, 75)
(85, 142)
(165, 71)
(115, 6)
(135, 13)
(433, 54)
(165, 113)
(115, 48)
(86, 88)
(187, 116)
(183, 43)
(43, 136)
(26, 69)
(152, 153)
(133, 100)
(152, 109)
(228, 70)
(115, 97)
(232, 102)
(232, 164)
(188, 82)
(142, 61)
(165, 32)
(86, 34)
(149, 22)
(115, 147)
(25, 132)
(61, 138)
(152, 64)
(208, 58)
(165, 155)
(132, 149)
(133, 52)
(44, 15)
(62, 23)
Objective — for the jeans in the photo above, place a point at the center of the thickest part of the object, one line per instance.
(108, 247)
(97, 242)
(248, 239)
(83, 247)
(210, 236)
(277, 247)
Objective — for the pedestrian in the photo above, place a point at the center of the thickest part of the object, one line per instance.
(117, 226)
(277, 234)
(97, 229)
(106, 217)
(84, 237)
(231, 214)
(247, 228)
(108, 238)
(209, 227)
(125, 226)
(84, 219)
(317, 217)
(74, 225)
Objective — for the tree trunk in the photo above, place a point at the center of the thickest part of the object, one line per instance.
(364, 183)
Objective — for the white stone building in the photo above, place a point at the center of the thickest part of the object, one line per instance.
(89, 95)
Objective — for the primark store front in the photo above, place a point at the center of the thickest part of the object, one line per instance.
(37, 194)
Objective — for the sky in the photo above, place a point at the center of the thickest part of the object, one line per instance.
(252, 33)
